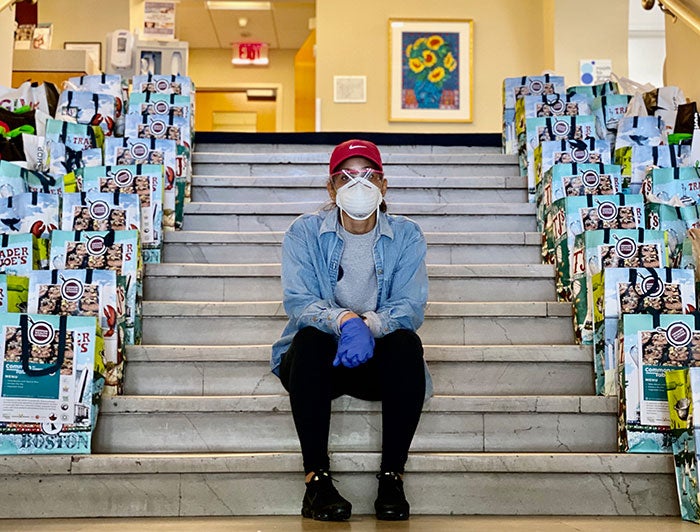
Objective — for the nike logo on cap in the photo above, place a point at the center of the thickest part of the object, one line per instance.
(353, 146)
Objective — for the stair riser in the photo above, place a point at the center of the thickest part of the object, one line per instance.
(306, 169)
(270, 289)
(324, 150)
(195, 330)
(265, 254)
(354, 431)
(458, 378)
(413, 195)
(433, 223)
(235, 494)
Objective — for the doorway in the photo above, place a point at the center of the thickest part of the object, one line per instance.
(239, 110)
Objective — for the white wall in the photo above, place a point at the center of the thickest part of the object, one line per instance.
(647, 44)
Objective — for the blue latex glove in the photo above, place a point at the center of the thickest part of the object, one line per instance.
(356, 344)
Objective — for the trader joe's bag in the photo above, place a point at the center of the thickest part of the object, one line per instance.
(96, 293)
(118, 251)
(652, 344)
(145, 180)
(52, 375)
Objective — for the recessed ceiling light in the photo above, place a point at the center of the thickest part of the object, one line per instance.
(239, 6)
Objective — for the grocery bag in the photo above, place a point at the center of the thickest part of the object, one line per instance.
(52, 376)
(652, 344)
(88, 108)
(118, 251)
(147, 182)
(621, 291)
(95, 293)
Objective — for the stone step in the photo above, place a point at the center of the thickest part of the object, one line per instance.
(226, 323)
(460, 217)
(245, 282)
(179, 485)
(401, 189)
(463, 370)
(316, 163)
(449, 423)
(324, 150)
(264, 247)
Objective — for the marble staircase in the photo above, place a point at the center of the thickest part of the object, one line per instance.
(205, 429)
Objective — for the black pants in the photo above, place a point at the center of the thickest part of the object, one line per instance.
(395, 375)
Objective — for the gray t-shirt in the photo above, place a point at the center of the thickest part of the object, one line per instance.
(357, 281)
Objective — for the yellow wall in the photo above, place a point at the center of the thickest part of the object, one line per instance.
(84, 20)
(305, 86)
(682, 53)
(211, 68)
(594, 29)
(511, 38)
(7, 32)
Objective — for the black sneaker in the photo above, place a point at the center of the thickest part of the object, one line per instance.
(322, 501)
(391, 503)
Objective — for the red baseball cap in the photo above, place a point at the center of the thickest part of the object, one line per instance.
(355, 148)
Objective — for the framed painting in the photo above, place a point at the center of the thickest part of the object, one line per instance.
(430, 70)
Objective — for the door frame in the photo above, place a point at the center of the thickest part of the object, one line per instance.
(241, 87)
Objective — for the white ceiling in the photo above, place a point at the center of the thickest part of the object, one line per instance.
(286, 25)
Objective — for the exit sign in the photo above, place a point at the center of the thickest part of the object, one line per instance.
(250, 53)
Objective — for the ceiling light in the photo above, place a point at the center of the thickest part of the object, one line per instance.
(239, 6)
(242, 22)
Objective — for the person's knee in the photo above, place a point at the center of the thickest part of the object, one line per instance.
(312, 347)
(405, 345)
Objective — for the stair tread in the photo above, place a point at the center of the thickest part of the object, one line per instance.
(433, 353)
(274, 269)
(350, 462)
(433, 309)
(276, 403)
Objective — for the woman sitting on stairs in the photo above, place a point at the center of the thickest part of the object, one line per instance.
(355, 289)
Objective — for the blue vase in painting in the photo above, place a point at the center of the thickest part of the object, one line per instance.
(427, 94)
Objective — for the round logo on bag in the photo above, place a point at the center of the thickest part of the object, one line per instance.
(590, 179)
(139, 150)
(41, 333)
(579, 155)
(161, 107)
(51, 427)
(557, 106)
(536, 86)
(561, 128)
(96, 246)
(652, 286)
(679, 334)
(99, 210)
(123, 178)
(607, 211)
(158, 128)
(626, 248)
(72, 289)
(162, 85)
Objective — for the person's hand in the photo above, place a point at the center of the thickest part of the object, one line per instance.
(356, 344)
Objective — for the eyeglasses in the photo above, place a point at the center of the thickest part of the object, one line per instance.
(346, 175)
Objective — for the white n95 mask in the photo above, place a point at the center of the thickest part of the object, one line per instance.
(359, 199)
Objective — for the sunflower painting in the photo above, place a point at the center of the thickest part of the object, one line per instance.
(430, 70)
(430, 77)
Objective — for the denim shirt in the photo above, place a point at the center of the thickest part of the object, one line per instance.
(311, 252)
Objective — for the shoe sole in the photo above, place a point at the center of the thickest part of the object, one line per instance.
(339, 516)
(393, 517)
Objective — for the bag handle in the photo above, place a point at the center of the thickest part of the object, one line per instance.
(24, 327)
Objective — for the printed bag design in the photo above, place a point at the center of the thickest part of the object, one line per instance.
(95, 293)
(118, 251)
(88, 108)
(621, 291)
(651, 346)
(147, 182)
(52, 378)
